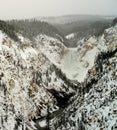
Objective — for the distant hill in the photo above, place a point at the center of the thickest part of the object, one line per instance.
(72, 18)
(32, 28)
(82, 29)
(9, 30)
(80, 25)
(62, 26)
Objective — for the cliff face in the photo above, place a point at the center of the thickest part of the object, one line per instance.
(95, 105)
(27, 79)
(36, 94)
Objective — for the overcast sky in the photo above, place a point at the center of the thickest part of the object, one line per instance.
(12, 9)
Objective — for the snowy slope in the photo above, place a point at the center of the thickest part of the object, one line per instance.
(52, 48)
(94, 107)
(34, 83)
(75, 62)
(70, 36)
(26, 78)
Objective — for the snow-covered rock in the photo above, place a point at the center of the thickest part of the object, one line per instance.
(70, 36)
(94, 107)
(26, 80)
(51, 47)
(75, 62)
(35, 90)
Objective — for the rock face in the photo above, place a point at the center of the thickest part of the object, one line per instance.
(38, 90)
(26, 76)
(75, 62)
(95, 105)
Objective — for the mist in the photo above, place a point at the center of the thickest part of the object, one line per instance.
(19, 9)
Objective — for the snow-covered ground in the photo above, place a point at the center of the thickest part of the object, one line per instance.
(29, 75)
(95, 105)
(75, 62)
(26, 75)
(70, 36)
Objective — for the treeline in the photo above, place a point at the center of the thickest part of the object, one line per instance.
(114, 22)
(9, 30)
(32, 28)
(83, 29)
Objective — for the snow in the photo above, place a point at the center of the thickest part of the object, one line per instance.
(43, 123)
(70, 60)
(97, 107)
(21, 37)
(28, 73)
(73, 67)
(28, 53)
(51, 47)
(70, 36)
(75, 62)
(1, 36)
(25, 77)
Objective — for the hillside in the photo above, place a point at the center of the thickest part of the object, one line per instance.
(62, 27)
(95, 105)
(9, 30)
(31, 28)
(46, 86)
(79, 25)
(27, 82)
(74, 62)
(65, 19)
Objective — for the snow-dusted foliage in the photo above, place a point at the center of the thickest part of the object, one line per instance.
(39, 86)
(95, 105)
(75, 62)
(27, 80)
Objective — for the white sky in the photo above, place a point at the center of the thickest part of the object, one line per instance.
(12, 9)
